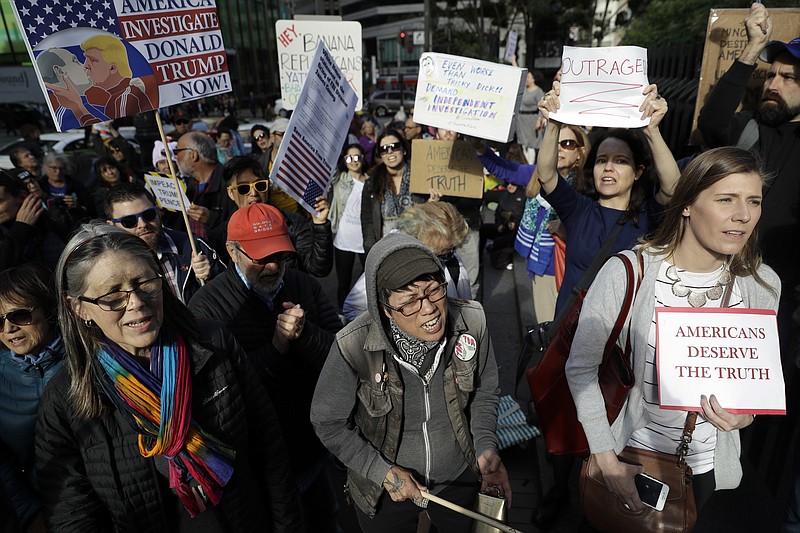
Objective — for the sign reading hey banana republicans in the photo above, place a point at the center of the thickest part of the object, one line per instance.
(105, 59)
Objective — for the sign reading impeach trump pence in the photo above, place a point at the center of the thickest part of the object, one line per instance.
(107, 59)
(472, 97)
(730, 353)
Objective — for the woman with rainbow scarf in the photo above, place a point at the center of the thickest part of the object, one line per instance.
(159, 422)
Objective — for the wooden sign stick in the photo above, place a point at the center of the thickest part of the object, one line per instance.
(472, 514)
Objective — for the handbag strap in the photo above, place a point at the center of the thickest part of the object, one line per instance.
(588, 276)
(631, 289)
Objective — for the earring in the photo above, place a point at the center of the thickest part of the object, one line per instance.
(88, 323)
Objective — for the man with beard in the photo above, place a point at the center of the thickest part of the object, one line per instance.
(132, 208)
(286, 325)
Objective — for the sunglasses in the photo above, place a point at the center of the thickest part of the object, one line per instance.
(569, 144)
(245, 189)
(20, 317)
(260, 136)
(353, 158)
(181, 122)
(130, 221)
(391, 147)
(277, 257)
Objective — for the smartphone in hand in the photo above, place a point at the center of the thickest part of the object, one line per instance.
(652, 492)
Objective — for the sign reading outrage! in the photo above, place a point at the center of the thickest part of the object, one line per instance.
(113, 58)
(731, 353)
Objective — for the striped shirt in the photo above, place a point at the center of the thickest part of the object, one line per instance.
(664, 432)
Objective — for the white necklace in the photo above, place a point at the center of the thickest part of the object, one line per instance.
(698, 299)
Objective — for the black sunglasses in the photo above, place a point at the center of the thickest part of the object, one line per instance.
(569, 144)
(351, 158)
(130, 221)
(20, 317)
(391, 147)
(259, 136)
(246, 188)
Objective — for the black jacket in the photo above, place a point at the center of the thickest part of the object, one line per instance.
(215, 198)
(93, 478)
(313, 244)
(290, 379)
(24, 243)
(187, 280)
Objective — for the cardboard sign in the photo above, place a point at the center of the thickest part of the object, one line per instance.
(317, 130)
(473, 97)
(166, 191)
(731, 353)
(726, 37)
(449, 167)
(603, 86)
(297, 43)
(165, 53)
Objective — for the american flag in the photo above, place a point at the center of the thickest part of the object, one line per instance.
(41, 18)
(297, 172)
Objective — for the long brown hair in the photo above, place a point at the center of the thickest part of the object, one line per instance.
(706, 170)
(379, 174)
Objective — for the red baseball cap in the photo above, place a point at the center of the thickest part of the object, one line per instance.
(260, 230)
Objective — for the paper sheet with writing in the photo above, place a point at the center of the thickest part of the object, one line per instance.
(731, 353)
(470, 96)
(316, 132)
(603, 86)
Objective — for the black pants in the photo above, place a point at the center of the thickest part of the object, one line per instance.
(402, 517)
(344, 271)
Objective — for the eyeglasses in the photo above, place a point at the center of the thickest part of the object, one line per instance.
(259, 136)
(55, 167)
(181, 122)
(20, 317)
(353, 158)
(118, 300)
(569, 144)
(246, 189)
(278, 257)
(412, 307)
(391, 147)
(130, 221)
(277, 133)
(411, 127)
(176, 151)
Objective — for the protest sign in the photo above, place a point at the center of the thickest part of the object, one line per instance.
(317, 130)
(297, 43)
(449, 167)
(470, 96)
(166, 191)
(731, 353)
(726, 37)
(511, 46)
(603, 86)
(103, 60)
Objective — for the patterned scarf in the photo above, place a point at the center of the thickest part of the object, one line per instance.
(410, 349)
(199, 464)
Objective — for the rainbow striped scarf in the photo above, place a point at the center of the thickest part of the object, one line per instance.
(200, 465)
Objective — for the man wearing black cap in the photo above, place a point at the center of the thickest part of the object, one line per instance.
(424, 374)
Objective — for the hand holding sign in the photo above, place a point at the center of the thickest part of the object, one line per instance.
(720, 418)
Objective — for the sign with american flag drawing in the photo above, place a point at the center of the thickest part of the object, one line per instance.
(317, 130)
(104, 59)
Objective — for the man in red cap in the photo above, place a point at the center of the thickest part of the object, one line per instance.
(286, 325)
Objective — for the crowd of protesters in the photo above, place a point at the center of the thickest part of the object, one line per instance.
(164, 378)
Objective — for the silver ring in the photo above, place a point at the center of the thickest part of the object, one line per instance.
(628, 507)
(658, 96)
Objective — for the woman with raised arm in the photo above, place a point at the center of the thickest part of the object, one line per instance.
(622, 193)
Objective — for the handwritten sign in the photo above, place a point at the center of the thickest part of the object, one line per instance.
(297, 43)
(472, 97)
(603, 86)
(166, 191)
(317, 130)
(731, 353)
(449, 167)
(103, 60)
(726, 37)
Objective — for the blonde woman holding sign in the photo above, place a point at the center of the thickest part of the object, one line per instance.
(705, 243)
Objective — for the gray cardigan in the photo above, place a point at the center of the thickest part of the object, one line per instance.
(601, 306)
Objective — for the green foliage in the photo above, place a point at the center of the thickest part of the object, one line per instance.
(670, 22)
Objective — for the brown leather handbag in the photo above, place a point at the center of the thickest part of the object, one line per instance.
(607, 513)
